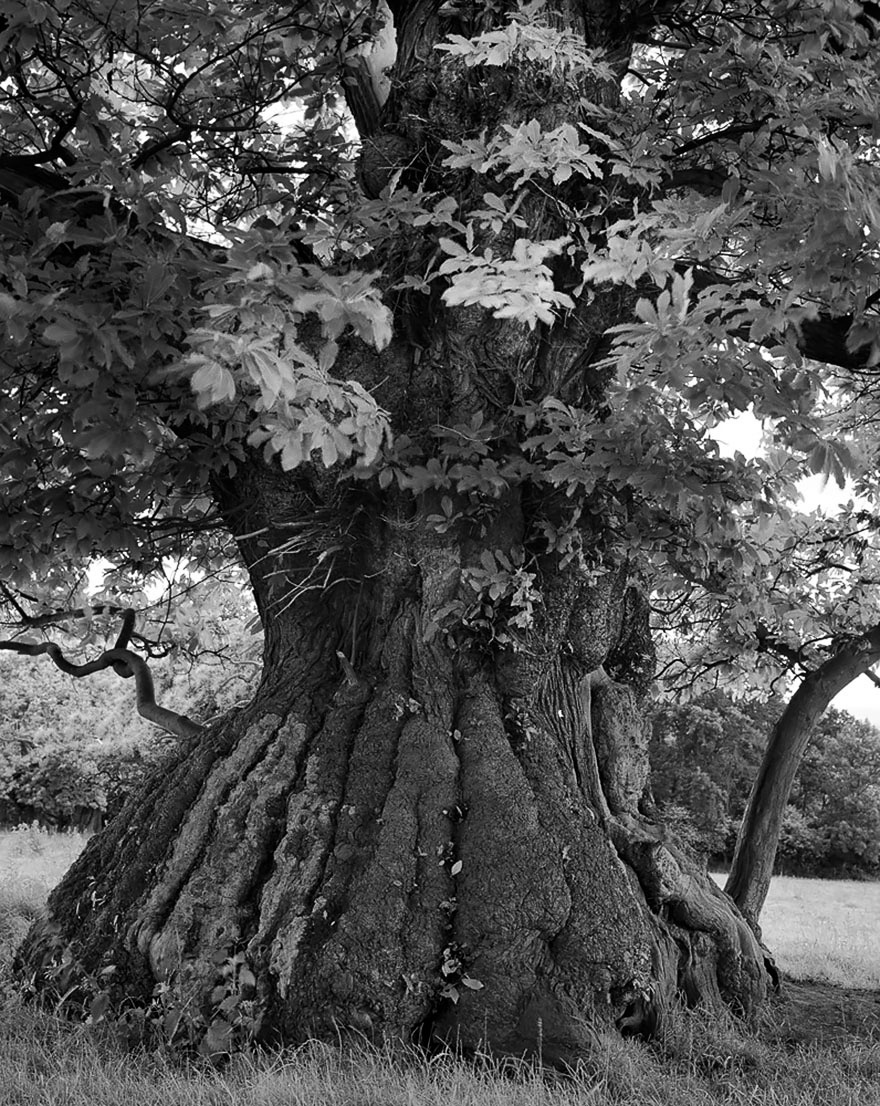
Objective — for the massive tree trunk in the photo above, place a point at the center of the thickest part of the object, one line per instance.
(405, 834)
(428, 823)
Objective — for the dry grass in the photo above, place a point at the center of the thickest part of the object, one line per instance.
(32, 861)
(50, 1062)
(36, 857)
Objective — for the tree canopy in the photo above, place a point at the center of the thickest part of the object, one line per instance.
(199, 252)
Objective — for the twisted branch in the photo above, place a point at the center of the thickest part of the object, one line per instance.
(125, 664)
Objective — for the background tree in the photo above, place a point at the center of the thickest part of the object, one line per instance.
(837, 795)
(830, 825)
(806, 618)
(448, 383)
(704, 755)
(71, 749)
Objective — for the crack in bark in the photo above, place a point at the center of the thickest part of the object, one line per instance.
(189, 853)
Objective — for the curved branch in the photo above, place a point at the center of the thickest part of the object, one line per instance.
(126, 664)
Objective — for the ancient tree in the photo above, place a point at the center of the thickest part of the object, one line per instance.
(431, 307)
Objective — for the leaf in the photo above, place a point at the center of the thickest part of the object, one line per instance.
(99, 1007)
(828, 159)
(292, 454)
(61, 333)
(212, 383)
(329, 451)
(10, 306)
(217, 1041)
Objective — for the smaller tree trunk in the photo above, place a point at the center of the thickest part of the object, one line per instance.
(758, 839)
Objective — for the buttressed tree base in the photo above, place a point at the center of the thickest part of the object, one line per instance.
(440, 349)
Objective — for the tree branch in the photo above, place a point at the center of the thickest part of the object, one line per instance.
(152, 149)
(125, 664)
(821, 339)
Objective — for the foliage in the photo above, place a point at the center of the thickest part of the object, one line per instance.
(704, 755)
(737, 150)
(70, 749)
(837, 795)
(812, 591)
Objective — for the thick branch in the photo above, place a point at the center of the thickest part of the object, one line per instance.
(824, 339)
(821, 339)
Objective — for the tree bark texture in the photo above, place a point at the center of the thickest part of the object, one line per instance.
(397, 819)
(417, 831)
(758, 839)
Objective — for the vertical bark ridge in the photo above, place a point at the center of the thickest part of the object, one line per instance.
(433, 842)
(511, 895)
(173, 908)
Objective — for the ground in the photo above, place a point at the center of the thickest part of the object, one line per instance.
(817, 1013)
(818, 1043)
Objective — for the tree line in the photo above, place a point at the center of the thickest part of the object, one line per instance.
(704, 757)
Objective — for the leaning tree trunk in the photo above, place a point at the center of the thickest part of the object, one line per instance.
(404, 834)
(425, 826)
(758, 838)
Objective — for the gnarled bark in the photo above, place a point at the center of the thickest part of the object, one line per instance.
(407, 834)
(421, 828)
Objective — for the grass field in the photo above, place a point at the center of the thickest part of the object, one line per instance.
(820, 930)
